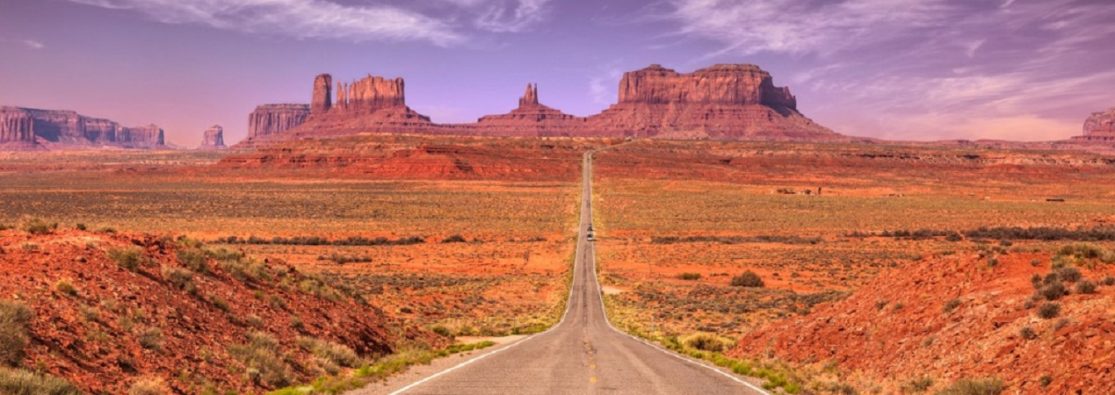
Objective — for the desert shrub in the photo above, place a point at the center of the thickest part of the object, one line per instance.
(151, 338)
(953, 237)
(1085, 287)
(951, 305)
(690, 276)
(1053, 291)
(261, 356)
(81, 226)
(1028, 333)
(149, 386)
(1045, 380)
(987, 386)
(342, 259)
(1082, 253)
(180, 278)
(65, 287)
(127, 258)
(1070, 274)
(1049, 310)
(15, 319)
(1035, 280)
(453, 239)
(337, 354)
(224, 254)
(706, 342)
(194, 259)
(442, 331)
(23, 382)
(38, 226)
(747, 279)
(219, 303)
(1109, 281)
(918, 385)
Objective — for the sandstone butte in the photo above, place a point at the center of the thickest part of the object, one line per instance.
(213, 138)
(28, 128)
(730, 101)
(1099, 127)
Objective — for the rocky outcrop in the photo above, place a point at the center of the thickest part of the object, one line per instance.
(213, 138)
(1100, 127)
(531, 118)
(61, 129)
(729, 101)
(322, 99)
(734, 101)
(270, 119)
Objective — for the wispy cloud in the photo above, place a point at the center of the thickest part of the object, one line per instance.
(296, 18)
(511, 16)
(927, 68)
(29, 43)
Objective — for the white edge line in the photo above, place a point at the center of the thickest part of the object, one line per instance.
(577, 252)
(596, 274)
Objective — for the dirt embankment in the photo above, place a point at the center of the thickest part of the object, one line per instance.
(109, 310)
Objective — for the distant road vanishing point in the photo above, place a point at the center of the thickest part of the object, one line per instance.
(582, 354)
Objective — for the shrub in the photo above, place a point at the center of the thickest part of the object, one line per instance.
(690, 276)
(261, 355)
(180, 278)
(337, 354)
(151, 338)
(918, 385)
(149, 386)
(706, 342)
(65, 287)
(1109, 281)
(988, 386)
(15, 318)
(1049, 310)
(951, 305)
(442, 331)
(37, 226)
(1053, 291)
(1085, 287)
(127, 258)
(747, 279)
(81, 226)
(1070, 274)
(454, 239)
(22, 382)
(1035, 280)
(194, 259)
(1028, 333)
(1045, 380)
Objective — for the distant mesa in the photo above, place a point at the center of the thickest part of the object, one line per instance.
(1100, 127)
(213, 138)
(733, 101)
(28, 128)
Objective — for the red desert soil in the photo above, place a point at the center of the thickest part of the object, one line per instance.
(956, 317)
(102, 326)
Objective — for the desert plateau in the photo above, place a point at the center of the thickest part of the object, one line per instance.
(542, 197)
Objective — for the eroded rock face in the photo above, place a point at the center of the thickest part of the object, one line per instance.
(213, 138)
(60, 128)
(720, 84)
(1101, 125)
(370, 94)
(322, 99)
(270, 119)
(531, 118)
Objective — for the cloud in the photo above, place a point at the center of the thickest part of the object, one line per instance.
(510, 16)
(34, 44)
(304, 19)
(926, 69)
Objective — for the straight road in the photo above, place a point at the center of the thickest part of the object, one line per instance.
(582, 354)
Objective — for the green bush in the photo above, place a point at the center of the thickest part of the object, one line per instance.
(706, 342)
(37, 226)
(22, 382)
(194, 259)
(15, 319)
(747, 279)
(180, 278)
(337, 354)
(1053, 291)
(987, 386)
(262, 357)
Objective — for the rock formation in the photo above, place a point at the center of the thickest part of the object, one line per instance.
(213, 138)
(531, 118)
(727, 101)
(1100, 127)
(322, 99)
(269, 119)
(61, 129)
(736, 101)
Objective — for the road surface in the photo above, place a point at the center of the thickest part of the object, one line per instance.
(583, 353)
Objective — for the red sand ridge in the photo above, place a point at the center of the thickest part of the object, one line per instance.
(736, 101)
(103, 325)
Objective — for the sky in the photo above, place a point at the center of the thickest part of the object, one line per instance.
(893, 69)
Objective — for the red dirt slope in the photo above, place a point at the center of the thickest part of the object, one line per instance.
(103, 326)
(905, 325)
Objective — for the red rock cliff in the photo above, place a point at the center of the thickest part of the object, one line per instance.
(60, 129)
(269, 119)
(213, 138)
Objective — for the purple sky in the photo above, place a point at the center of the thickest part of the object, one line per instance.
(899, 69)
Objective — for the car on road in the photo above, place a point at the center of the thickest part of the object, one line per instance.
(591, 234)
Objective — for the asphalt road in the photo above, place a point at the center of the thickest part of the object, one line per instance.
(582, 354)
